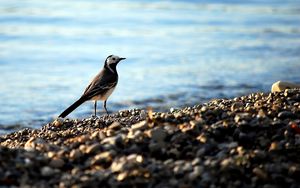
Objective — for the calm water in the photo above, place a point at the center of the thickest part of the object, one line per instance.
(178, 52)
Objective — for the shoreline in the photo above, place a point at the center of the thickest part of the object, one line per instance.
(248, 141)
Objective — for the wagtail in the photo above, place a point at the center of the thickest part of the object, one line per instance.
(101, 87)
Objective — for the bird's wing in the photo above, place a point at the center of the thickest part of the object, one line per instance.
(99, 85)
(99, 89)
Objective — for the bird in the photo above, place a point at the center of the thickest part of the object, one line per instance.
(100, 88)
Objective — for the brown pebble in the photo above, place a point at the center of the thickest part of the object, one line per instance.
(75, 154)
(236, 106)
(93, 148)
(260, 173)
(57, 163)
(58, 122)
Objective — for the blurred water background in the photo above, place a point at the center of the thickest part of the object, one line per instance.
(178, 53)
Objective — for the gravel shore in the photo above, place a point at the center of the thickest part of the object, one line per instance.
(248, 141)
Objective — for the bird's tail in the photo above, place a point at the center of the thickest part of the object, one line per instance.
(72, 107)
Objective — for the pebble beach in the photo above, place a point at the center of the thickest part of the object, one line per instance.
(247, 141)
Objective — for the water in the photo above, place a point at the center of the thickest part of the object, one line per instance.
(178, 53)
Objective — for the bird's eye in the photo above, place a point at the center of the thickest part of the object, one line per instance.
(113, 58)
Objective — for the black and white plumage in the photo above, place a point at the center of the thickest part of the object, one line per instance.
(101, 87)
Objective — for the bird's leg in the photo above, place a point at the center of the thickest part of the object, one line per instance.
(104, 105)
(95, 108)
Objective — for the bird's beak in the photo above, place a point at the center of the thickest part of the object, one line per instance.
(121, 58)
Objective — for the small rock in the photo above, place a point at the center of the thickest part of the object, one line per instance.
(139, 126)
(273, 146)
(260, 173)
(242, 116)
(143, 114)
(36, 143)
(57, 163)
(104, 157)
(157, 134)
(154, 147)
(285, 115)
(47, 171)
(236, 106)
(58, 122)
(75, 154)
(122, 176)
(115, 126)
(198, 170)
(93, 148)
(113, 140)
(118, 165)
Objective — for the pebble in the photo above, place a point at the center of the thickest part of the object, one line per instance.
(36, 143)
(115, 126)
(236, 106)
(75, 154)
(139, 126)
(58, 122)
(157, 134)
(118, 165)
(113, 140)
(104, 157)
(260, 173)
(196, 173)
(93, 148)
(47, 171)
(56, 163)
(285, 114)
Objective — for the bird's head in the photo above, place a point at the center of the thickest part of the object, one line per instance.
(113, 60)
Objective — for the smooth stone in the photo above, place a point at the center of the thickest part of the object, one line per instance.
(113, 140)
(158, 134)
(58, 122)
(198, 170)
(281, 86)
(139, 126)
(56, 163)
(115, 126)
(47, 171)
(75, 154)
(285, 115)
(118, 165)
(260, 173)
(135, 134)
(122, 176)
(242, 116)
(36, 143)
(154, 147)
(93, 148)
(143, 114)
(103, 157)
(236, 106)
